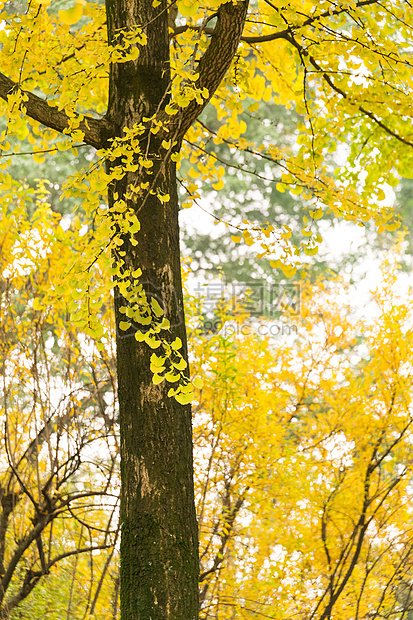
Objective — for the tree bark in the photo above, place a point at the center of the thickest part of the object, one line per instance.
(159, 559)
(159, 545)
(159, 541)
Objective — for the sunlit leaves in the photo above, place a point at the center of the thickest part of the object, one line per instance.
(345, 72)
(299, 442)
(58, 449)
(71, 16)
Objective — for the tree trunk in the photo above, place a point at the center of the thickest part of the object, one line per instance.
(159, 560)
(159, 548)
(159, 543)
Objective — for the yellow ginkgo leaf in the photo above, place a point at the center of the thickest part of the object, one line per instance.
(71, 16)
(188, 8)
(184, 399)
(218, 185)
(198, 382)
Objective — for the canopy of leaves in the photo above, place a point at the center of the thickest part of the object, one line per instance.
(59, 481)
(304, 462)
(302, 447)
(336, 415)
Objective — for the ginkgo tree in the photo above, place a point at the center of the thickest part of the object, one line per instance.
(303, 447)
(130, 79)
(304, 461)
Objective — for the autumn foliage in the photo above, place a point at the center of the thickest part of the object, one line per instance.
(323, 469)
(304, 460)
(303, 450)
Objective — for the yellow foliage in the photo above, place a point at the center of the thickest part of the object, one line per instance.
(72, 15)
(303, 435)
(304, 459)
(311, 445)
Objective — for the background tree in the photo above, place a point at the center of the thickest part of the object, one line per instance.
(59, 475)
(322, 448)
(304, 463)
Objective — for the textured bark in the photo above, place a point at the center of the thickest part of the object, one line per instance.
(159, 559)
(159, 546)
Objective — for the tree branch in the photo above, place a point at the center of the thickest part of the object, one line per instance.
(280, 34)
(343, 94)
(19, 551)
(33, 577)
(95, 130)
(217, 59)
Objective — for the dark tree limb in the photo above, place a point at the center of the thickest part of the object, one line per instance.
(217, 59)
(94, 130)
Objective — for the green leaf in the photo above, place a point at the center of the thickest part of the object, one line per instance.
(176, 344)
(172, 377)
(187, 388)
(156, 307)
(156, 360)
(143, 320)
(181, 365)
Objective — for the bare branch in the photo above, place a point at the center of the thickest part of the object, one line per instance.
(32, 577)
(282, 33)
(340, 91)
